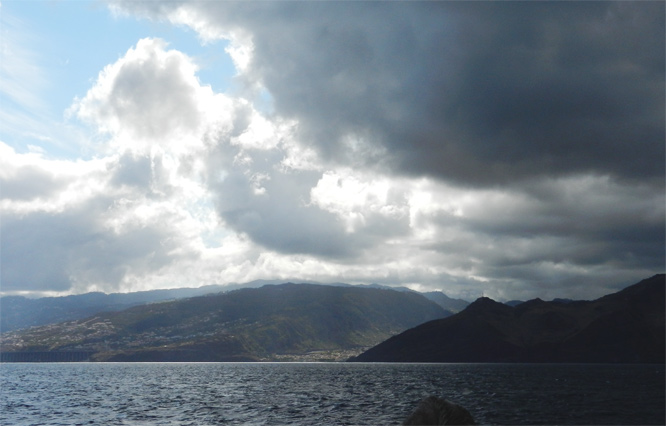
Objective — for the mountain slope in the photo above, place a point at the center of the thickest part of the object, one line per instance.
(627, 326)
(17, 312)
(246, 324)
(449, 304)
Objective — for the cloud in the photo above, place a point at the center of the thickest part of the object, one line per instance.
(476, 93)
(361, 200)
(128, 100)
(75, 249)
(513, 150)
(133, 171)
(133, 217)
(29, 182)
(83, 225)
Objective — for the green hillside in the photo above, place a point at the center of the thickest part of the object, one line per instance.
(274, 322)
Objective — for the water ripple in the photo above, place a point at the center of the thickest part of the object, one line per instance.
(309, 394)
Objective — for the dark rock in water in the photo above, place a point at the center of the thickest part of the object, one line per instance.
(438, 411)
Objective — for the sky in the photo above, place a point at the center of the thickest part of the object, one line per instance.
(505, 149)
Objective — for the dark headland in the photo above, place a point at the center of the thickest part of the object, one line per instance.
(623, 327)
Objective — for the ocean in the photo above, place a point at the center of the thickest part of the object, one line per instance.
(325, 393)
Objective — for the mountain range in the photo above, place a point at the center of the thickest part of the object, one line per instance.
(315, 322)
(273, 322)
(624, 327)
(18, 312)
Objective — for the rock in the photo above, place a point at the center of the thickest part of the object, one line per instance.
(438, 411)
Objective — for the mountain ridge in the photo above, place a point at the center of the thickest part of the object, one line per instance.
(19, 312)
(626, 326)
(273, 322)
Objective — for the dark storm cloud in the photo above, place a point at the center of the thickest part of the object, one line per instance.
(582, 222)
(554, 88)
(476, 92)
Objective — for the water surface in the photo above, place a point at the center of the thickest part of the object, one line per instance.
(325, 393)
